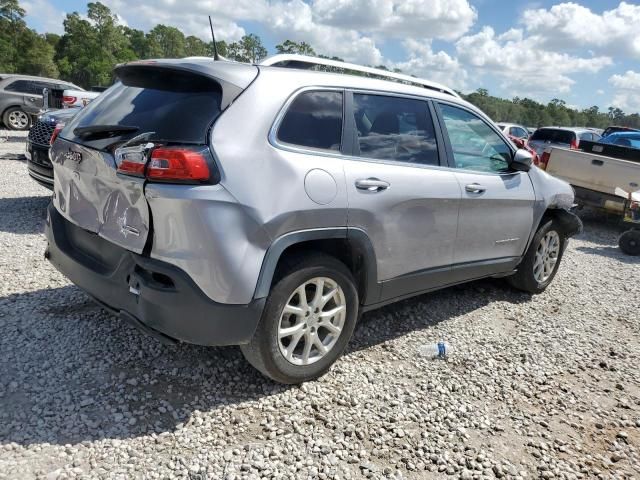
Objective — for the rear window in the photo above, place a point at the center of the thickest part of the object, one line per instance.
(314, 120)
(553, 135)
(170, 107)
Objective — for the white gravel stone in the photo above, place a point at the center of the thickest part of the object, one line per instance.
(537, 387)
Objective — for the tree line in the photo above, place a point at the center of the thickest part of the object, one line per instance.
(90, 46)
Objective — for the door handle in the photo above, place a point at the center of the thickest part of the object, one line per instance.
(372, 185)
(475, 188)
(597, 162)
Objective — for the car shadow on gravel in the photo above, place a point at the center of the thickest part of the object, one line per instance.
(425, 311)
(610, 252)
(23, 215)
(70, 372)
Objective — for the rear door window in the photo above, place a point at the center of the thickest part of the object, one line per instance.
(21, 86)
(553, 135)
(313, 120)
(172, 107)
(395, 128)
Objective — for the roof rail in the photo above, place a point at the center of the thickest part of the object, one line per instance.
(305, 62)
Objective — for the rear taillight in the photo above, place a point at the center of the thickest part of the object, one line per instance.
(175, 163)
(544, 160)
(166, 164)
(132, 160)
(69, 100)
(56, 132)
(574, 144)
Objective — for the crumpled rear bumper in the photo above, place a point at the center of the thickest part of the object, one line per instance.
(156, 297)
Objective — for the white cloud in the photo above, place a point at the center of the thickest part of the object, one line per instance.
(49, 18)
(570, 25)
(436, 66)
(445, 19)
(627, 91)
(523, 67)
(295, 20)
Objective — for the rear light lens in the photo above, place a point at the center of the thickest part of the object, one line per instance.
(166, 164)
(132, 160)
(69, 100)
(175, 163)
(544, 160)
(56, 132)
(574, 144)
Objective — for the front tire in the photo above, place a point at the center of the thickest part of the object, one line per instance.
(629, 242)
(15, 118)
(541, 262)
(307, 321)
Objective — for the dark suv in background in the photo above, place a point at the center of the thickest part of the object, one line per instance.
(39, 141)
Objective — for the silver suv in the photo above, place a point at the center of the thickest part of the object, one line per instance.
(21, 98)
(268, 205)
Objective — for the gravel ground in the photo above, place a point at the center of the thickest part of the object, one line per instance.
(537, 387)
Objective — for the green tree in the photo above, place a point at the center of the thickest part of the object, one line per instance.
(249, 49)
(90, 48)
(11, 25)
(289, 46)
(166, 42)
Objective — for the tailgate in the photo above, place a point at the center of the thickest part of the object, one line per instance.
(595, 172)
(166, 102)
(89, 193)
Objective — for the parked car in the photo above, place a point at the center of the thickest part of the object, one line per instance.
(564, 137)
(77, 98)
(517, 131)
(625, 139)
(38, 143)
(614, 128)
(21, 98)
(222, 203)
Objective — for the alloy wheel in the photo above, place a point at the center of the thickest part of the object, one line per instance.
(311, 321)
(546, 256)
(18, 120)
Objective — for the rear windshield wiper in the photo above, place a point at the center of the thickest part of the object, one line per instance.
(103, 130)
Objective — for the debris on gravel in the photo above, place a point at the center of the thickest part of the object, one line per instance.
(537, 387)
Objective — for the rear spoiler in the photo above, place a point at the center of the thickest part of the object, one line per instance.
(613, 151)
(232, 77)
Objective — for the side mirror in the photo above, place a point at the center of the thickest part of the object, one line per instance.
(522, 160)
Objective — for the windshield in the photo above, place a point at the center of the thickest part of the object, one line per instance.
(553, 135)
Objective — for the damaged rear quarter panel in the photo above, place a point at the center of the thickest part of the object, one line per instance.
(89, 193)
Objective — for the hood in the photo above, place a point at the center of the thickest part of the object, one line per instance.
(55, 116)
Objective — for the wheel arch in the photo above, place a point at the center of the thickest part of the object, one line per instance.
(351, 246)
(569, 222)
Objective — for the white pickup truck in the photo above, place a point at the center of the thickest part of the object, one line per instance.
(595, 171)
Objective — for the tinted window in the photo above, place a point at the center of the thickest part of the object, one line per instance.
(393, 128)
(586, 136)
(553, 135)
(21, 86)
(476, 146)
(177, 110)
(519, 132)
(314, 120)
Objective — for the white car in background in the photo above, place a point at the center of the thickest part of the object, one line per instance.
(515, 130)
(77, 98)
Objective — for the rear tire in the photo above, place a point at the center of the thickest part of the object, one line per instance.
(541, 262)
(307, 321)
(15, 118)
(629, 242)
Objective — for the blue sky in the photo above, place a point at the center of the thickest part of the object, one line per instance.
(586, 52)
